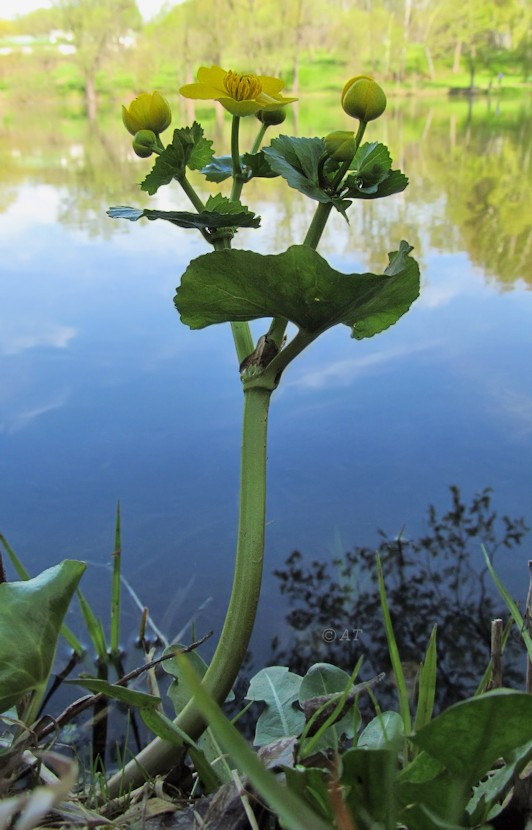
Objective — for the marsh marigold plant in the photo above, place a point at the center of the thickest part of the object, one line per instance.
(227, 285)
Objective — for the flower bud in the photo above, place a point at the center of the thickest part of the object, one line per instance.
(363, 98)
(147, 112)
(271, 117)
(143, 143)
(340, 145)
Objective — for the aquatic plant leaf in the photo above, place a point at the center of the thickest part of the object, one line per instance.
(324, 679)
(31, 615)
(469, 736)
(278, 688)
(299, 285)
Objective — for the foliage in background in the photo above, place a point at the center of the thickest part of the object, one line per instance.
(399, 41)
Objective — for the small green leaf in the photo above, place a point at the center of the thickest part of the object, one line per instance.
(169, 165)
(125, 212)
(197, 150)
(221, 204)
(218, 169)
(121, 693)
(206, 220)
(31, 615)
(372, 163)
(395, 182)
(188, 149)
(385, 731)
(298, 285)
(278, 688)
(297, 160)
(258, 166)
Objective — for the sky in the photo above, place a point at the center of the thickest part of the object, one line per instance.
(11, 8)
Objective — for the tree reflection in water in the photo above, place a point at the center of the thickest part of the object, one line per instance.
(428, 580)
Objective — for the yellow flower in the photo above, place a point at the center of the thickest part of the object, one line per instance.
(147, 112)
(240, 94)
(363, 98)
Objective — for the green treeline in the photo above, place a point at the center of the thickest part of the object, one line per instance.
(102, 46)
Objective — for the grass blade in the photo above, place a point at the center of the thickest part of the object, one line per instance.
(115, 596)
(427, 685)
(94, 628)
(400, 682)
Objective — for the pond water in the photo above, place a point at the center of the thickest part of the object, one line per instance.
(105, 396)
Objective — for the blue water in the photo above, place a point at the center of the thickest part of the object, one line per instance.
(105, 396)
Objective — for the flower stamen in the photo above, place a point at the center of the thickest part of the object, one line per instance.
(242, 87)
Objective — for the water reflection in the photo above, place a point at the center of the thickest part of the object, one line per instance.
(469, 172)
(335, 611)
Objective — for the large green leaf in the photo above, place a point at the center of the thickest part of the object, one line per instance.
(278, 689)
(31, 615)
(468, 737)
(298, 285)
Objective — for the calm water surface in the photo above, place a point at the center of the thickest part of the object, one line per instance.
(104, 395)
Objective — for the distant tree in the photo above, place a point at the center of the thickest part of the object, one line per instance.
(96, 27)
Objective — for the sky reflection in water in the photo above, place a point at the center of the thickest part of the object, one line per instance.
(106, 396)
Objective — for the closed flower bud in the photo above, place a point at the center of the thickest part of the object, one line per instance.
(143, 143)
(340, 145)
(271, 117)
(363, 98)
(147, 112)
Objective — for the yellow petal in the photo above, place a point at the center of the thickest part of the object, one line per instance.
(271, 86)
(212, 75)
(240, 108)
(201, 90)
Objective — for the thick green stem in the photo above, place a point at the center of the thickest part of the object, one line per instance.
(158, 756)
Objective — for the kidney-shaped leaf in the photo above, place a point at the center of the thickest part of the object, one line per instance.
(31, 615)
(299, 285)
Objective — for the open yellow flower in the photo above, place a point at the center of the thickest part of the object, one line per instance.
(240, 94)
